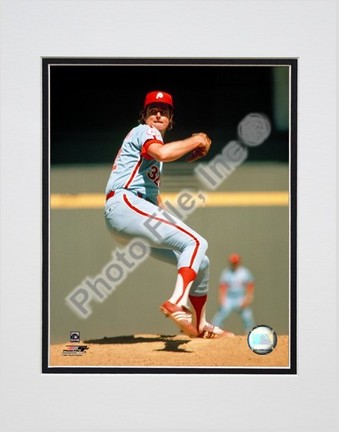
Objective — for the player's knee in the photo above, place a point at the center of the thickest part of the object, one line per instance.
(203, 244)
(197, 242)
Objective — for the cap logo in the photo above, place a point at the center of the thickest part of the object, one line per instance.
(157, 97)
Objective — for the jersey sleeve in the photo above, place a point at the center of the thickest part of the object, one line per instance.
(150, 135)
(145, 146)
(224, 277)
(249, 276)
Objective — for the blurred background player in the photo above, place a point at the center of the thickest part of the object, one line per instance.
(133, 210)
(236, 293)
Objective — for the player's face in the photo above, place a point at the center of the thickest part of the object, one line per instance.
(158, 116)
(234, 265)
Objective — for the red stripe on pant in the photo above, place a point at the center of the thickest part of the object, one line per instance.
(197, 243)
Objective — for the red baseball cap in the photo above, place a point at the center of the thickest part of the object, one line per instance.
(158, 97)
(234, 258)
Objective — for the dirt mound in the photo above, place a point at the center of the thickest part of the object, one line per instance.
(149, 350)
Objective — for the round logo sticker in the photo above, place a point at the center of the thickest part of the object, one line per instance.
(262, 339)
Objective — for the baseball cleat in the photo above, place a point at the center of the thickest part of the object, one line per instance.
(213, 332)
(181, 316)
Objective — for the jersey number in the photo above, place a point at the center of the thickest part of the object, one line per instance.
(154, 175)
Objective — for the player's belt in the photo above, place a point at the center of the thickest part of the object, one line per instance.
(138, 194)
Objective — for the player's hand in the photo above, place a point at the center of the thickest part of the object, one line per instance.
(202, 149)
(247, 301)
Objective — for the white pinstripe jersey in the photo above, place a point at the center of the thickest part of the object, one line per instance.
(133, 168)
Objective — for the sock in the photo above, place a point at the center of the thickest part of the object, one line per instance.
(185, 278)
(199, 318)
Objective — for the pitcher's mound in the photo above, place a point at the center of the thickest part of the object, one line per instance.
(143, 350)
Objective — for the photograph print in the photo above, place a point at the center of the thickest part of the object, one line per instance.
(169, 215)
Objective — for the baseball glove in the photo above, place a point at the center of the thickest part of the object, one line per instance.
(200, 151)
